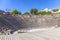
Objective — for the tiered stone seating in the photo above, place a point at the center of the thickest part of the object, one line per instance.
(25, 22)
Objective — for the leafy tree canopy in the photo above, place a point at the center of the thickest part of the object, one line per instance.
(15, 12)
(33, 11)
(54, 10)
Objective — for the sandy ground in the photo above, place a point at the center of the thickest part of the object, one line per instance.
(45, 34)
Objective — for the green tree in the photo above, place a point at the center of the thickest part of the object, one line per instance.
(27, 13)
(33, 11)
(15, 12)
(54, 10)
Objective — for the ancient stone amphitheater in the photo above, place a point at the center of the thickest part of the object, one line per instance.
(9, 24)
(21, 23)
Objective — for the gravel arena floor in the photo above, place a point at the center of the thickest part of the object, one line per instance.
(43, 34)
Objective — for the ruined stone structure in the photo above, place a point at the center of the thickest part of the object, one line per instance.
(11, 23)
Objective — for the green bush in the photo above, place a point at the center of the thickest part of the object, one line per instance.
(45, 13)
(27, 13)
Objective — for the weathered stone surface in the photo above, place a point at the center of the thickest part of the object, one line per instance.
(27, 22)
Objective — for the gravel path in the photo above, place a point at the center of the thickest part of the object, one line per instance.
(49, 34)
